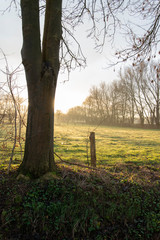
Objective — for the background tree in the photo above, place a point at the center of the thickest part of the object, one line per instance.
(153, 90)
(89, 110)
(75, 115)
(13, 110)
(131, 99)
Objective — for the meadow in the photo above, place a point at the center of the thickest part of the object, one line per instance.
(113, 145)
(120, 200)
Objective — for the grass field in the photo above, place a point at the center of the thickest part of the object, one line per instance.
(119, 201)
(113, 145)
(129, 154)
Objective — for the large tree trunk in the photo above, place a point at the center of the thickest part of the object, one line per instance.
(38, 156)
(41, 68)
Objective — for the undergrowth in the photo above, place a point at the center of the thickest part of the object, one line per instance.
(80, 205)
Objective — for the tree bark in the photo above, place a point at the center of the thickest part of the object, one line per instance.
(41, 69)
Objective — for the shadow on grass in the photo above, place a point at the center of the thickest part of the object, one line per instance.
(83, 204)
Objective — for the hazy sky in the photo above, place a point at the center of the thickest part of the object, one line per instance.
(72, 92)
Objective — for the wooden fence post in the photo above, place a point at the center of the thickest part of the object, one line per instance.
(92, 149)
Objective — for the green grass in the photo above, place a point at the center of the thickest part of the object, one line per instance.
(113, 145)
(6, 145)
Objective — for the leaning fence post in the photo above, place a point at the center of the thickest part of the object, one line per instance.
(92, 149)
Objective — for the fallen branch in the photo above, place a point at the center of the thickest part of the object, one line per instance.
(76, 164)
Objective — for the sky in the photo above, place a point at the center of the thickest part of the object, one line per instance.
(69, 93)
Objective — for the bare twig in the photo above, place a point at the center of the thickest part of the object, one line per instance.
(76, 164)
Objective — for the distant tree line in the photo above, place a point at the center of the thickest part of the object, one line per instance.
(132, 99)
